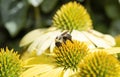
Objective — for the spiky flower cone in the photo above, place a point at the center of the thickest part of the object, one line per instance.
(69, 54)
(99, 64)
(72, 16)
(10, 64)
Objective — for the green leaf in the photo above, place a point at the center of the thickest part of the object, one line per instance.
(115, 27)
(112, 9)
(14, 15)
(48, 5)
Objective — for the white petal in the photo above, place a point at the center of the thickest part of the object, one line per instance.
(77, 35)
(53, 42)
(51, 37)
(107, 38)
(38, 42)
(45, 46)
(52, 46)
(31, 36)
(110, 40)
(99, 42)
(69, 73)
(96, 33)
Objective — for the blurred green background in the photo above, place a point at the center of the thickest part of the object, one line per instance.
(18, 17)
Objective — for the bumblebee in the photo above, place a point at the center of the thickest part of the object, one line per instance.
(63, 38)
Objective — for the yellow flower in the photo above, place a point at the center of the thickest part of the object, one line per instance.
(10, 64)
(62, 63)
(69, 55)
(99, 64)
(72, 16)
(117, 39)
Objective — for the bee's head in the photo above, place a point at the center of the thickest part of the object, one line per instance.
(62, 38)
(58, 41)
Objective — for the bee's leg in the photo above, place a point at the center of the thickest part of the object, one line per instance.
(71, 40)
(64, 41)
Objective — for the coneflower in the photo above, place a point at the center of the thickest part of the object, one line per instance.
(72, 16)
(69, 54)
(99, 64)
(10, 64)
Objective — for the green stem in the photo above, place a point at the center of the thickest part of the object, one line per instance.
(37, 17)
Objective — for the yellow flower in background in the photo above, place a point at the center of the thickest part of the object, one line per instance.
(10, 64)
(67, 60)
(62, 63)
(72, 16)
(99, 64)
(117, 39)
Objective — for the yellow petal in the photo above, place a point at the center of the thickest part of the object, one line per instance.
(38, 69)
(57, 72)
(27, 55)
(112, 50)
(42, 59)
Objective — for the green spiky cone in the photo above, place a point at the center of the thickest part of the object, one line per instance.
(10, 64)
(99, 64)
(72, 16)
(69, 54)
